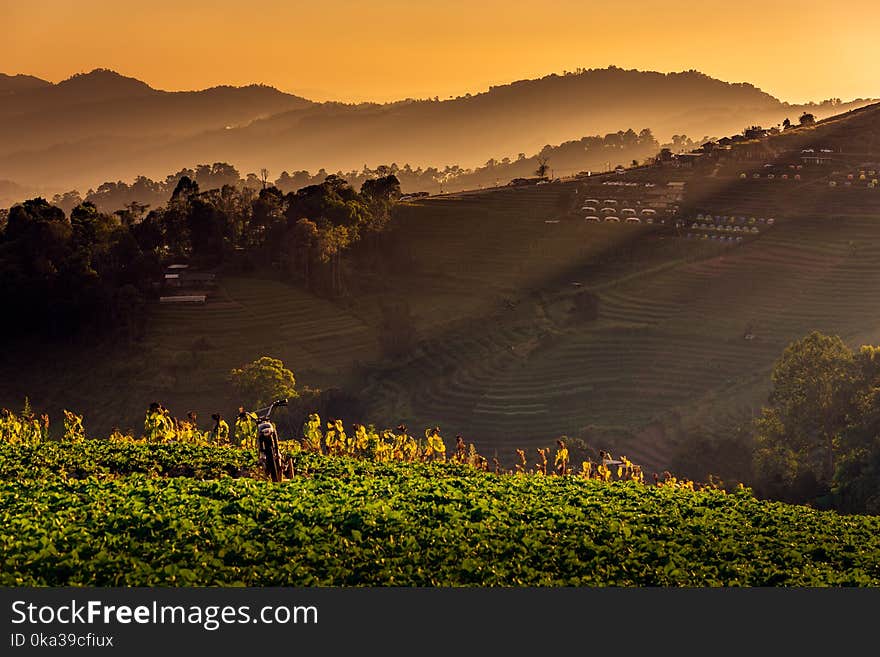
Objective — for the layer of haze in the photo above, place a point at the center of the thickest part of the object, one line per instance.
(392, 49)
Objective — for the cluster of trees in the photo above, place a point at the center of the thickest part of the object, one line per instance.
(589, 153)
(144, 192)
(61, 273)
(87, 269)
(807, 118)
(683, 143)
(595, 153)
(819, 436)
(757, 132)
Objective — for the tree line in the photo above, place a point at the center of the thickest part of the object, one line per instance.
(89, 270)
(588, 153)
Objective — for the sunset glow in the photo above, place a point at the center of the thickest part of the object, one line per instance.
(392, 49)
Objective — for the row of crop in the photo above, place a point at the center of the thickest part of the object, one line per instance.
(103, 458)
(357, 523)
(206, 455)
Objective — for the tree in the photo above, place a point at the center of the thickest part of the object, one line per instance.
(301, 243)
(786, 124)
(798, 435)
(186, 187)
(382, 189)
(216, 175)
(86, 222)
(263, 381)
(67, 201)
(252, 181)
(208, 227)
(824, 418)
(132, 213)
(380, 195)
(24, 216)
(332, 241)
(543, 166)
(266, 211)
(857, 477)
(807, 119)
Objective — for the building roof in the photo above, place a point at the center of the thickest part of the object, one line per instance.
(192, 298)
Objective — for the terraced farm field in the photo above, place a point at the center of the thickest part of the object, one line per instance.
(189, 350)
(684, 330)
(484, 249)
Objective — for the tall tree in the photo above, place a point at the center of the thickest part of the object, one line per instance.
(543, 166)
(208, 227)
(263, 381)
(799, 432)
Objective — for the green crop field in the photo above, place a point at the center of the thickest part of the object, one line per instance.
(100, 514)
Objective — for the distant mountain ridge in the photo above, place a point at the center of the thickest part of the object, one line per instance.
(103, 104)
(10, 84)
(102, 126)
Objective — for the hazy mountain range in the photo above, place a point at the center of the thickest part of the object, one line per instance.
(103, 126)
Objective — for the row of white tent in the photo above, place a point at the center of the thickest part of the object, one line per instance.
(725, 228)
(608, 209)
(870, 177)
(872, 183)
(724, 239)
(863, 174)
(607, 201)
(731, 220)
(627, 220)
(771, 176)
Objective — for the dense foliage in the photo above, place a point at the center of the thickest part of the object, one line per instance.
(346, 522)
(62, 274)
(819, 435)
(104, 459)
(264, 380)
(89, 270)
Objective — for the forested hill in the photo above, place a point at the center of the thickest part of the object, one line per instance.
(97, 108)
(101, 125)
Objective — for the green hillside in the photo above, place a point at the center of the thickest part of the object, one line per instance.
(670, 333)
(531, 322)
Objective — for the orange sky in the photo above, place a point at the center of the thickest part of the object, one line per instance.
(389, 49)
